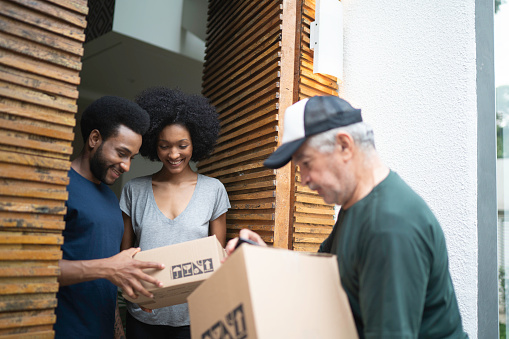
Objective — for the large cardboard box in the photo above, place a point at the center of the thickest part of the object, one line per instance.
(267, 293)
(186, 265)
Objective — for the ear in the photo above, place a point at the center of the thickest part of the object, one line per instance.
(94, 139)
(345, 145)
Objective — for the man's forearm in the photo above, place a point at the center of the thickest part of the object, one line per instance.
(76, 271)
(121, 270)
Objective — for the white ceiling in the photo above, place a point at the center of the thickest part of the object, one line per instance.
(115, 64)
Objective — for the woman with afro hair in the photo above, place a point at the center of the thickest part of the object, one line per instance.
(175, 204)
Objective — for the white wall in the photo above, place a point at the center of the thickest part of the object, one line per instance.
(411, 67)
(163, 24)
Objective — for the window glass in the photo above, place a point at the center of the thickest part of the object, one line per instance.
(502, 111)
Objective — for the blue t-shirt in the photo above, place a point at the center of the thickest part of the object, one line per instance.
(93, 230)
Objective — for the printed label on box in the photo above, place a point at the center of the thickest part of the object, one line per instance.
(234, 326)
(192, 268)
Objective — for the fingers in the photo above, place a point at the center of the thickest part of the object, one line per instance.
(149, 264)
(148, 310)
(127, 273)
(138, 288)
(129, 291)
(248, 234)
(230, 247)
(141, 290)
(149, 279)
(131, 251)
(132, 287)
(140, 275)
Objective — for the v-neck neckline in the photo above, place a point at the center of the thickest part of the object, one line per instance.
(198, 179)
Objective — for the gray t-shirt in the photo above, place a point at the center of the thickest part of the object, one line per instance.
(153, 229)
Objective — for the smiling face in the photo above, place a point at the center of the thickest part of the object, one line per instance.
(175, 148)
(113, 156)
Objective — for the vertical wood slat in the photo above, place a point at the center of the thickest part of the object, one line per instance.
(313, 218)
(284, 178)
(242, 74)
(258, 63)
(40, 60)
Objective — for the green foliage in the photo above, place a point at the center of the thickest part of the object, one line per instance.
(501, 280)
(502, 109)
(501, 153)
(498, 3)
(502, 330)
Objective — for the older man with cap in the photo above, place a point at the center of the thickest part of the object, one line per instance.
(391, 250)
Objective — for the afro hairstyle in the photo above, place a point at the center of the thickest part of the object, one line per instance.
(172, 106)
(107, 113)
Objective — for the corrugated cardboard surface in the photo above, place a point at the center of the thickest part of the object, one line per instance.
(186, 265)
(224, 305)
(271, 293)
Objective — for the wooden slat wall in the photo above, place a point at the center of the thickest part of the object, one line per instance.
(41, 44)
(314, 218)
(241, 78)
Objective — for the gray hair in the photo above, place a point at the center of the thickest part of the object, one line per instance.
(362, 135)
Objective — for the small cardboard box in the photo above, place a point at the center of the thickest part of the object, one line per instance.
(186, 265)
(266, 293)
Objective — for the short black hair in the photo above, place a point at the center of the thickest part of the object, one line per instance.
(172, 106)
(107, 113)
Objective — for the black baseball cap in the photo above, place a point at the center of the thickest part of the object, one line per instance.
(308, 117)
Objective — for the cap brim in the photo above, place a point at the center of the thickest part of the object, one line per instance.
(283, 154)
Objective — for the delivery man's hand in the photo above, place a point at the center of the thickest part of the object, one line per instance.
(126, 273)
(246, 234)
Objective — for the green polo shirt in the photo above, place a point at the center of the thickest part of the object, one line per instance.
(393, 265)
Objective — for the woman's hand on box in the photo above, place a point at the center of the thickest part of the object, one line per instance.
(148, 310)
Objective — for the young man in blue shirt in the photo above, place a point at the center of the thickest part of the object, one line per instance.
(92, 267)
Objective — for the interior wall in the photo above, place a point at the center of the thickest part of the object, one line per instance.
(160, 44)
(161, 24)
(411, 68)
